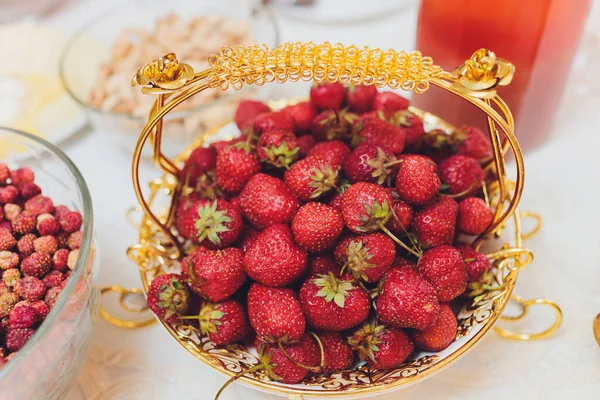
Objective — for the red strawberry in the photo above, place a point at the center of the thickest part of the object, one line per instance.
(235, 166)
(60, 260)
(200, 161)
(16, 338)
(54, 278)
(411, 125)
(332, 151)
(49, 245)
(404, 263)
(474, 216)
(249, 236)
(417, 181)
(434, 224)
(273, 120)
(24, 223)
(8, 194)
(40, 205)
(380, 133)
(47, 224)
(222, 144)
(381, 347)
(305, 142)
(246, 112)
(311, 178)
(224, 323)
(406, 300)
(476, 263)
(390, 102)
(279, 367)
(324, 96)
(360, 98)
(214, 224)
(70, 222)
(337, 352)
(317, 226)
(11, 211)
(214, 274)
(335, 200)
(322, 264)
(462, 174)
(333, 124)
(402, 216)
(22, 317)
(368, 257)
(275, 314)
(444, 268)
(37, 264)
(22, 175)
(278, 148)
(334, 304)
(369, 163)
(365, 207)
(168, 297)
(471, 142)
(274, 259)
(440, 334)
(7, 240)
(29, 190)
(302, 113)
(267, 201)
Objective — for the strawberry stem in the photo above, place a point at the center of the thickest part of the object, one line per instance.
(296, 363)
(389, 164)
(400, 242)
(463, 193)
(321, 349)
(236, 377)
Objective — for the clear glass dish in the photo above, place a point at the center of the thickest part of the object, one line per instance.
(91, 47)
(46, 367)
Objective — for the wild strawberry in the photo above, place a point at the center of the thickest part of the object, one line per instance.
(235, 166)
(273, 120)
(29, 190)
(224, 323)
(360, 98)
(474, 216)
(311, 178)
(406, 300)
(369, 163)
(7, 302)
(46, 245)
(168, 297)
(47, 225)
(74, 241)
(380, 133)
(71, 222)
(337, 353)
(10, 277)
(24, 223)
(52, 295)
(266, 200)
(41, 309)
(305, 142)
(368, 257)
(278, 148)
(333, 124)
(22, 175)
(332, 151)
(63, 240)
(30, 288)
(3, 289)
(72, 259)
(274, 259)
(11, 212)
(440, 334)
(381, 347)
(214, 274)
(7, 240)
(366, 207)
(60, 259)
(22, 317)
(16, 338)
(390, 102)
(334, 304)
(37, 264)
(60, 210)
(322, 264)
(275, 314)
(54, 278)
(476, 263)
(411, 125)
(8, 194)
(402, 217)
(6, 225)
(4, 173)
(462, 174)
(417, 181)
(435, 223)
(316, 227)
(471, 142)
(302, 113)
(214, 224)
(39, 205)
(444, 268)
(8, 259)
(200, 161)
(278, 363)
(246, 112)
(324, 96)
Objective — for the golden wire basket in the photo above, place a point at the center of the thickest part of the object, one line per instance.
(159, 250)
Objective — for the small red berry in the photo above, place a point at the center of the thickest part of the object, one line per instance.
(30, 288)
(22, 175)
(71, 222)
(389, 102)
(8, 194)
(16, 338)
(324, 96)
(47, 244)
(47, 224)
(39, 205)
(22, 317)
(29, 190)
(37, 264)
(246, 112)
(60, 259)
(8, 259)
(54, 278)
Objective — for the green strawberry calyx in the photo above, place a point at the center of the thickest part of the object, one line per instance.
(357, 259)
(323, 179)
(210, 318)
(281, 156)
(333, 288)
(211, 222)
(375, 215)
(366, 340)
(173, 297)
(381, 165)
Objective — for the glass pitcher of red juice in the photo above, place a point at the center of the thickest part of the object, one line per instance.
(539, 36)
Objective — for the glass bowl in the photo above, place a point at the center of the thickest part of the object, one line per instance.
(46, 367)
(91, 47)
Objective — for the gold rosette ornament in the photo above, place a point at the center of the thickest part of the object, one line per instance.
(484, 72)
(162, 75)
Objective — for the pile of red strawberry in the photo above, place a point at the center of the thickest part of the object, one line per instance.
(335, 227)
(39, 245)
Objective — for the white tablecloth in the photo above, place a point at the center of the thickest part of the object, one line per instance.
(562, 184)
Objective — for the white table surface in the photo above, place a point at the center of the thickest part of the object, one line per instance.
(562, 184)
